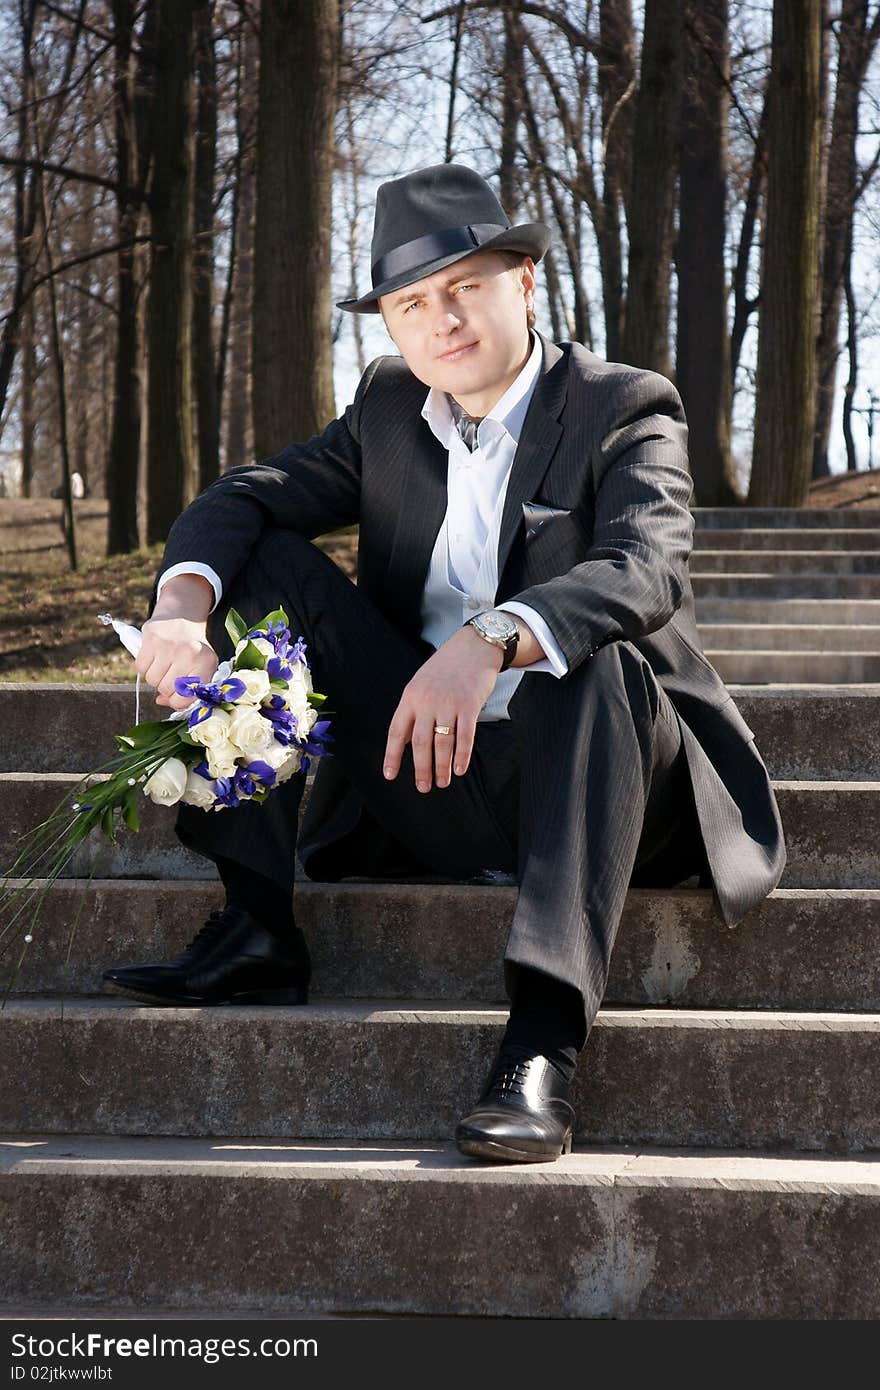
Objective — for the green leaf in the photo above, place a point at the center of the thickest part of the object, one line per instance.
(276, 683)
(107, 822)
(277, 615)
(144, 735)
(236, 626)
(250, 659)
(130, 809)
(315, 698)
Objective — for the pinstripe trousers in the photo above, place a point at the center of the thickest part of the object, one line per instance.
(581, 793)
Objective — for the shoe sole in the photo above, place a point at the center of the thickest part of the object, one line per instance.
(297, 994)
(491, 1148)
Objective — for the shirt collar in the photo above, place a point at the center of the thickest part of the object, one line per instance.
(509, 412)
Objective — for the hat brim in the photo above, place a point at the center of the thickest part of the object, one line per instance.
(531, 238)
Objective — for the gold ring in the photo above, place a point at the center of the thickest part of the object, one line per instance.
(442, 729)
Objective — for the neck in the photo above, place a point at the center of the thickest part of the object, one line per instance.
(479, 404)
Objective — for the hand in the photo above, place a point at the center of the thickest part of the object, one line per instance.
(175, 638)
(451, 688)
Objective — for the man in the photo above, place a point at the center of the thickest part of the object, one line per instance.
(517, 681)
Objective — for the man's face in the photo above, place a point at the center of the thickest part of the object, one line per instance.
(463, 329)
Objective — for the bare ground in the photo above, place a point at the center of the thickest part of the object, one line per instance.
(49, 630)
(48, 614)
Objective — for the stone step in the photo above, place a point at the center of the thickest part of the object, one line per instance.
(787, 610)
(793, 562)
(798, 949)
(789, 637)
(368, 1069)
(785, 518)
(831, 830)
(801, 733)
(779, 538)
(829, 668)
(785, 586)
(416, 1229)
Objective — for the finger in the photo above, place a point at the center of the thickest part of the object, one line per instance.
(464, 743)
(398, 736)
(444, 746)
(423, 751)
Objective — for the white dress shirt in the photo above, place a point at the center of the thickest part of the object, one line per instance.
(463, 570)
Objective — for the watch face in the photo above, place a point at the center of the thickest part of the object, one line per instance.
(498, 625)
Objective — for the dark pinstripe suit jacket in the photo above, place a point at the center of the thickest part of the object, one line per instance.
(605, 446)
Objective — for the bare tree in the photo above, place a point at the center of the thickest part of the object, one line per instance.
(171, 470)
(652, 208)
(785, 406)
(292, 350)
(702, 339)
(857, 40)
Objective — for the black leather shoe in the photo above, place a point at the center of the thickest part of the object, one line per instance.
(233, 960)
(523, 1114)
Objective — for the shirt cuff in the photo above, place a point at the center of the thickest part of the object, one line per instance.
(193, 567)
(553, 661)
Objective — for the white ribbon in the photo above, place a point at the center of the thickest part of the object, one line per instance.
(132, 639)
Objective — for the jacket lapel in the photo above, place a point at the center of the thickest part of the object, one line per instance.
(537, 444)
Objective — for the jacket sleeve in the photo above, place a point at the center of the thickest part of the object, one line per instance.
(633, 575)
(312, 488)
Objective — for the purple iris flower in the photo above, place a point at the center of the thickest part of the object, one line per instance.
(283, 721)
(275, 632)
(298, 652)
(250, 779)
(278, 669)
(318, 737)
(210, 697)
(226, 791)
(202, 770)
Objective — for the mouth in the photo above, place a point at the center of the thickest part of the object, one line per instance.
(455, 353)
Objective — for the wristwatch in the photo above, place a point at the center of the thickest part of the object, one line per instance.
(498, 628)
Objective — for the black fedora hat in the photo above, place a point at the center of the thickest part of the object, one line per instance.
(433, 217)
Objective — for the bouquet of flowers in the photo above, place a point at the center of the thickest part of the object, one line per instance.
(248, 729)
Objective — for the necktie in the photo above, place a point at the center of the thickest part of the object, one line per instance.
(467, 428)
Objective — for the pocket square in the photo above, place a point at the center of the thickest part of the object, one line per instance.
(535, 514)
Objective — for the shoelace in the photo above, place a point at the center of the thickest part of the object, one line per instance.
(509, 1076)
(211, 928)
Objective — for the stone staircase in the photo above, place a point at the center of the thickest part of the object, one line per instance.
(790, 595)
(298, 1161)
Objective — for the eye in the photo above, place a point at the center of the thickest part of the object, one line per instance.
(467, 287)
(413, 304)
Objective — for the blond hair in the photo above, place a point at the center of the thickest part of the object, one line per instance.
(514, 259)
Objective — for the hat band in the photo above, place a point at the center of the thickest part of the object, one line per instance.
(432, 247)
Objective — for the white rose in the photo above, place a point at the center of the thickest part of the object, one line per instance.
(166, 786)
(198, 791)
(213, 732)
(249, 731)
(261, 645)
(290, 764)
(221, 761)
(275, 755)
(256, 687)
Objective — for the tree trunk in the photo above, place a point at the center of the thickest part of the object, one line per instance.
(237, 389)
(842, 176)
(616, 81)
(702, 343)
(651, 219)
(204, 366)
(28, 394)
(125, 430)
(786, 373)
(170, 442)
(292, 348)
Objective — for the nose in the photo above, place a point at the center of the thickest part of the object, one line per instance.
(446, 322)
